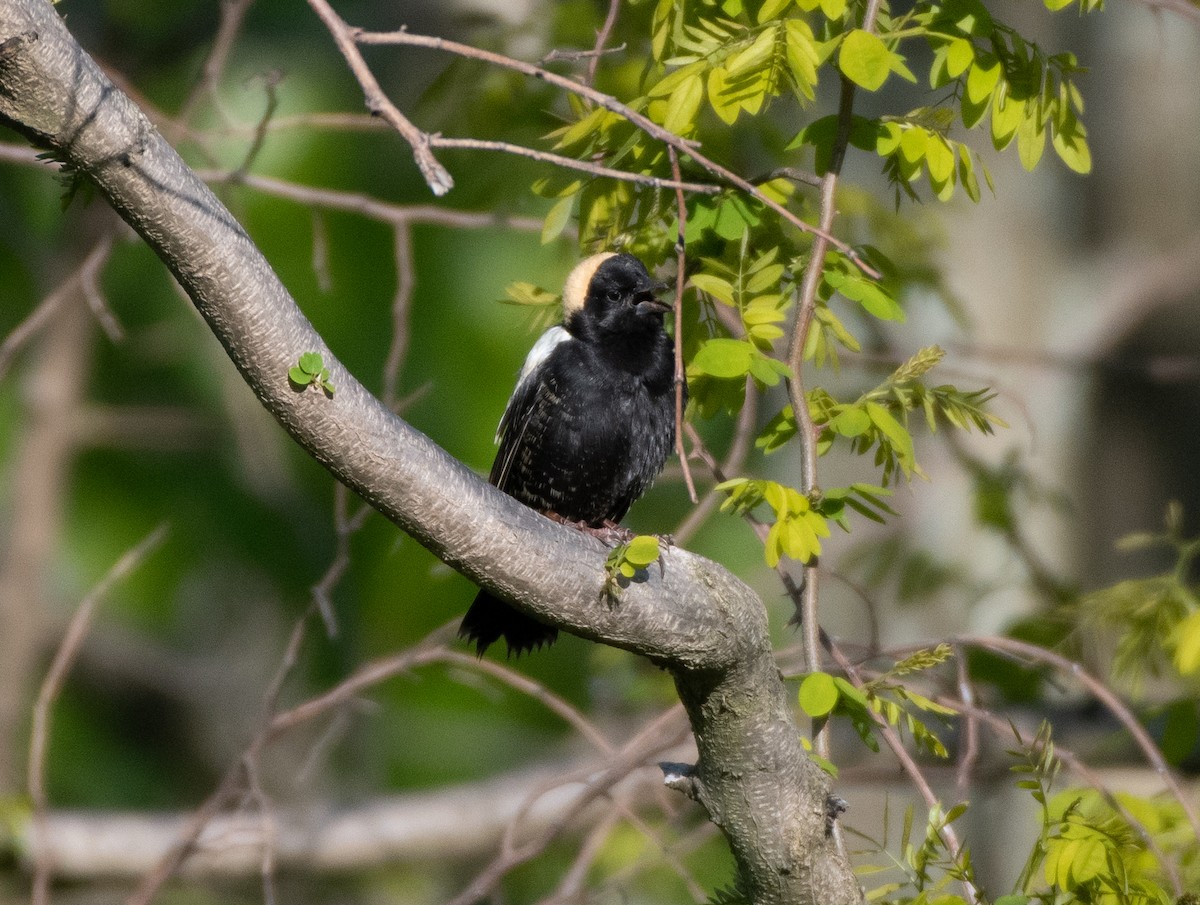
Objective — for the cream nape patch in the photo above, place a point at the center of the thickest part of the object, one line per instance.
(576, 287)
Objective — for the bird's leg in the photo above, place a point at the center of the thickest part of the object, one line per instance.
(607, 531)
(612, 533)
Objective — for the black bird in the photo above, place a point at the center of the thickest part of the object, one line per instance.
(590, 423)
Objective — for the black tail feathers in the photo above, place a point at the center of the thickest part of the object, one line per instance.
(490, 619)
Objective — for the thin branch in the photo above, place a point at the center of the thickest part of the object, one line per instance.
(570, 887)
(271, 82)
(607, 102)
(969, 755)
(557, 705)
(680, 277)
(369, 206)
(82, 279)
(436, 176)
(657, 737)
(806, 429)
(910, 767)
(735, 458)
(401, 313)
(233, 15)
(573, 56)
(52, 686)
(610, 20)
(1105, 696)
(571, 163)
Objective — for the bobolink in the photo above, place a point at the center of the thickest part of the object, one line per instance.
(590, 423)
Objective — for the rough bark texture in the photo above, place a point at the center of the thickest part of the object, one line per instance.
(696, 619)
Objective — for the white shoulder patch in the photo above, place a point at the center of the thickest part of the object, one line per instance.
(541, 350)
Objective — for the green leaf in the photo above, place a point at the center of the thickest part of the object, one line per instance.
(966, 175)
(960, 53)
(1007, 114)
(557, 219)
(818, 694)
(311, 363)
(718, 288)
(299, 377)
(872, 297)
(802, 55)
(983, 78)
(1070, 142)
(684, 104)
(864, 59)
(1031, 142)
(724, 358)
(767, 370)
(722, 97)
(968, 16)
(1186, 639)
(901, 439)
(939, 157)
(642, 550)
(766, 278)
(851, 422)
(913, 144)
(833, 9)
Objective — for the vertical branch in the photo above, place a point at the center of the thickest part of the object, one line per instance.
(46, 443)
(64, 657)
(892, 738)
(680, 277)
(601, 39)
(436, 176)
(796, 393)
(401, 308)
(970, 747)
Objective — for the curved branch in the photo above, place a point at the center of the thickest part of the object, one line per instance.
(692, 617)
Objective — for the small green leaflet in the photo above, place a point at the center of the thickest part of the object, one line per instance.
(310, 369)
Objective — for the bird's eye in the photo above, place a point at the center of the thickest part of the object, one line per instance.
(614, 295)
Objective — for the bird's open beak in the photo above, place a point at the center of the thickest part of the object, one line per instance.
(650, 302)
(654, 306)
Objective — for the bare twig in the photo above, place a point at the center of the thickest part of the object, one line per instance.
(806, 429)
(647, 125)
(64, 657)
(233, 14)
(570, 163)
(437, 177)
(680, 278)
(535, 690)
(401, 312)
(660, 735)
(369, 206)
(610, 20)
(271, 82)
(572, 56)
(910, 767)
(969, 755)
(83, 279)
(1105, 696)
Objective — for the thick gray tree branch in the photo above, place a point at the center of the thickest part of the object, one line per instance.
(695, 618)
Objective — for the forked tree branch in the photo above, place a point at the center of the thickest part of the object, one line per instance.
(693, 617)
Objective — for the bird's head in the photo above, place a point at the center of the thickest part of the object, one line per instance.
(612, 294)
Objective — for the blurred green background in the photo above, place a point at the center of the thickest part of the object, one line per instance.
(156, 426)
